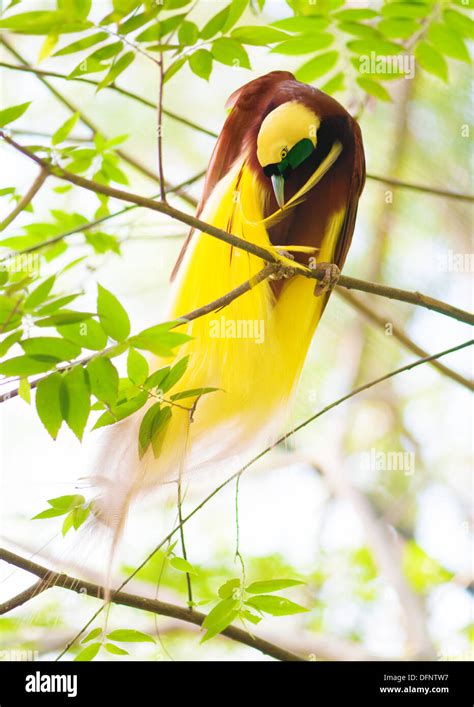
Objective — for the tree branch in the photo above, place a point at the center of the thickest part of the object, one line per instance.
(344, 281)
(55, 579)
(26, 199)
(191, 514)
(194, 126)
(399, 334)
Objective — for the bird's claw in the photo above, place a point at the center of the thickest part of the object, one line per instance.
(283, 270)
(329, 280)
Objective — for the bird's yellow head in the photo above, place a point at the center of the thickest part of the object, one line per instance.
(287, 137)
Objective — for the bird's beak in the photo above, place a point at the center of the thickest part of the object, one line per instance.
(279, 189)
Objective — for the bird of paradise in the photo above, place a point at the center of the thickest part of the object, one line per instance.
(286, 174)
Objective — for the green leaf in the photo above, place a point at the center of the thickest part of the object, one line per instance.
(276, 606)
(9, 341)
(48, 403)
(359, 30)
(381, 47)
(415, 10)
(229, 589)
(137, 367)
(119, 67)
(431, 60)
(62, 133)
(156, 378)
(174, 68)
(201, 63)
(89, 653)
(398, 28)
(235, 12)
(52, 346)
(48, 45)
(81, 44)
(145, 431)
(86, 66)
(271, 585)
(103, 242)
(75, 400)
(175, 374)
(302, 24)
(125, 7)
(159, 339)
(87, 334)
(182, 565)
(447, 41)
(303, 45)
(40, 293)
(104, 379)
(10, 114)
(188, 33)
(220, 617)
(459, 22)
(334, 84)
(134, 22)
(374, 88)
(228, 51)
(115, 650)
(193, 393)
(106, 52)
(27, 366)
(316, 67)
(355, 15)
(258, 35)
(67, 503)
(121, 411)
(63, 317)
(91, 635)
(24, 390)
(159, 426)
(113, 317)
(422, 571)
(215, 24)
(48, 513)
(42, 22)
(126, 635)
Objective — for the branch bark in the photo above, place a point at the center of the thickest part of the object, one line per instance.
(26, 199)
(164, 208)
(49, 579)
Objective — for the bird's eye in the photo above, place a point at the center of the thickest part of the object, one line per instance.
(284, 153)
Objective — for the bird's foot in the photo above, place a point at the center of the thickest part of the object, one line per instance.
(329, 280)
(288, 265)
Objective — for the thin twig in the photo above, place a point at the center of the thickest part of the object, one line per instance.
(399, 334)
(196, 509)
(26, 199)
(74, 584)
(160, 130)
(344, 281)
